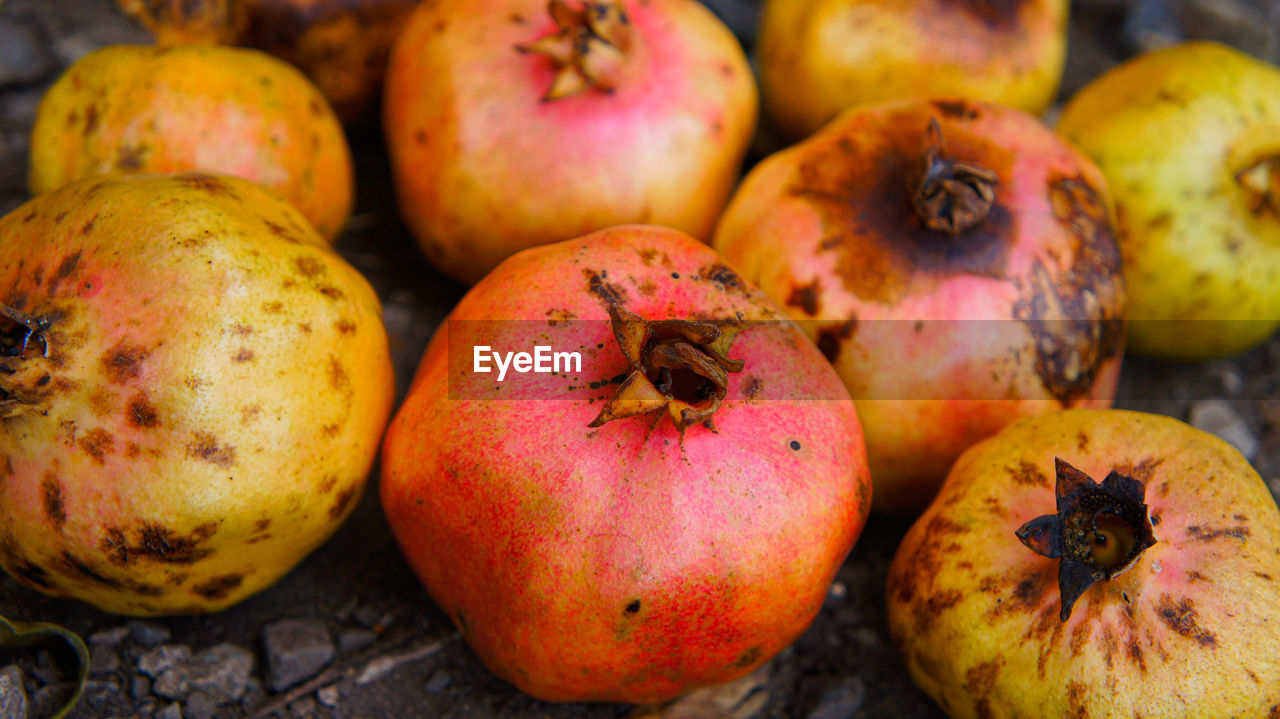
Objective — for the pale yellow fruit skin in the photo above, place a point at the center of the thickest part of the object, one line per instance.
(1170, 130)
(819, 57)
(976, 614)
(136, 109)
(218, 383)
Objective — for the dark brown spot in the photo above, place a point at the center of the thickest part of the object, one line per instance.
(97, 443)
(262, 524)
(90, 119)
(123, 362)
(751, 387)
(728, 280)
(218, 587)
(421, 137)
(244, 354)
(345, 326)
(1076, 313)
(1028, 474)
(1077, 701)
(340, 504)
(749, 657)
(831, 339)
(204, 446)
(957, 109)
(1263, 576)
(607, 293)
(332, 293)
(1082, 441)
(273, 308)
(309, 266)
(141, 413)
(1143, 471)
(66, 268)
(158, 544)
(130, 158)
(338, 379)
(860, 186)
(32, 574)
(1134, 652)
(1194, 576)
(1209, 534)
(980, 679)
(328, 484)
(805, 297)
(53, 505)
(205, 182)
(633, 607)
(1181, 617)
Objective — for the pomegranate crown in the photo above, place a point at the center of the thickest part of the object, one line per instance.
(1099, 530)
(676, 365)
(589, 48)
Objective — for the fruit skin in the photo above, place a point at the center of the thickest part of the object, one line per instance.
(215, 387)
(138, 109)
(624, 563)
(484, 167)
(819, 57)
(1188, 631)
(941, 339)
(1171, 129)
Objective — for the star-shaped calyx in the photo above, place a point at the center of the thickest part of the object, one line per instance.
(676, 365)
(589, 48)
(1099, 531)
(24, 382)
(951, 196)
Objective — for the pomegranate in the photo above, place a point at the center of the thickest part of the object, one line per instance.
(129, 109)
(341, 45)
(818, 57)
(192, 390)
(1189, 137)
(516, 123)
(954, 260)
(1146, 587)
(667, 515)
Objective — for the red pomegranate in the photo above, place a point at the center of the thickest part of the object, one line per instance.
(956, 262)
(668, 515)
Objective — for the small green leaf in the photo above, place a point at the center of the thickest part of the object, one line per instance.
(27, 635)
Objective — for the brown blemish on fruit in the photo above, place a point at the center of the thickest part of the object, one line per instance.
(1143, 470)
(861, 187)
(1133, 649)
(90, 119)
(751, 387)
(805, 297)
(328, 484)
(647, 289)
(1076, 314)
(123, 362)
(281, 232)
(141, 413)
(1194, 576)
(340, 504)
(78, 569)
(720, 274)
(309, 266)
(831, 339)
(748, 657)
(338, 379)
(1077, 701)
(132, 450)
(156, 543)
(204, 446)
(205, 182)
(607, 293)
(218, 587)
(1209, 534)
(979, 680)
(1028, 474)
(344, 326)
(244, 354)
(1181, 617)
(65, 269)
(331, 430)
(1082, 443)
(933, 606)
(97, 443)
(33, 574)
(332, 293)
(273, 308)
(248, 413)
(262, 524)
(1263, 576)
(957, 109)
(53, 504)
(241, 330)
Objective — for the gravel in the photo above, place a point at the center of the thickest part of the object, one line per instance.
(13, 696)
(297, 649)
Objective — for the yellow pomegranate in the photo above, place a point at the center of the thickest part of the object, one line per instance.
(818, 57)
(129, 109)
(192, 391)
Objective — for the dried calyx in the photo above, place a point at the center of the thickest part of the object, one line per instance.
(951, 196)
(1099, 530)
(676, 365)
(22, 339)
(589, 48)
(183, 22)
(1261, 180)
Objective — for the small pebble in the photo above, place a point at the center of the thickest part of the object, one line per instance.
(297, 649)
(328, 696)
(200, 706)
(149, 634)
(841, 700)
(23, 57)
(1219, 417)
(350, 640)
(109, 637)
(172, 711)
(46, 670)
(221, 671)
(13, 697)
(172, 683)
(49, 698)
(162, 658)
(439, 681)
(103, 659)
(140, 686)
(304, 707)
